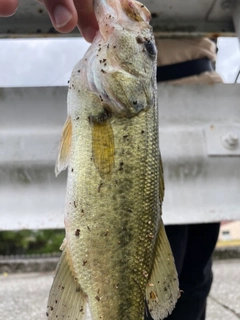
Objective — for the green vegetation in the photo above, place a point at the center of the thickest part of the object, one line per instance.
(30, 241)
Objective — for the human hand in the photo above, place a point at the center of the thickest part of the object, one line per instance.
(64, 14)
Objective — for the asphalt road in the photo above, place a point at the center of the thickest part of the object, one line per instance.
(24, 296)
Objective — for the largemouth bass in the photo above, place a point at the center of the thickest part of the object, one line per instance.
(116, 257)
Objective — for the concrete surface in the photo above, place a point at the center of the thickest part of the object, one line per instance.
(24, 296)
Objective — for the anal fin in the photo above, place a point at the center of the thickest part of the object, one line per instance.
(66, 298)
(162, 289)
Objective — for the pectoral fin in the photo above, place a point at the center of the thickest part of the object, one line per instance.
(64, 148)
(103, 147)
(66, 299)
(162, 289)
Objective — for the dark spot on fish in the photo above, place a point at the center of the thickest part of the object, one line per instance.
(63, 288)
(97, 298)
(125, 136)
(68, 81)
(134, 102)
(84, 263)
(101, 117)
(72, 170)
(51, 308)
(114, 47)
(47, 314)
(82, 211)
(99, 187)
(77, 232)
(104, 60)
(129, 210)
(105, 64)
(108, 46)
(56, 301)
(153, 295)
(121, 164)
(103, 71)
(140, 39)
(79, 71)
(99, 49)
(106, 233)
(77, 118)
(88, 228)
(142, 131)
(74, 203)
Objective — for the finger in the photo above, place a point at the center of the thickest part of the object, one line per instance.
(62, 14)
(87, 22)
(8, 7)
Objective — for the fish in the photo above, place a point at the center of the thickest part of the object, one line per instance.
(116, 260)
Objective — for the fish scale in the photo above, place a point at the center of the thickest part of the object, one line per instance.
(116, 256)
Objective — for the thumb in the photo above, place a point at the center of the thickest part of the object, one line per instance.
(8, 7)
(62, 13)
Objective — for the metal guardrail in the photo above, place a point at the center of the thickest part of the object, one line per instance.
(170, 18)
(202, 173)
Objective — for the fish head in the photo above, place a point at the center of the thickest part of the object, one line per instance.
(120, 66)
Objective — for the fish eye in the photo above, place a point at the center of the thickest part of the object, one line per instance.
(150, 47)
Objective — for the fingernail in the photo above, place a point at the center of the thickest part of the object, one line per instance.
(61, 16)
(89, 33)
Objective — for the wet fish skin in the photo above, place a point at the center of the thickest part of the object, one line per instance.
(116, 253)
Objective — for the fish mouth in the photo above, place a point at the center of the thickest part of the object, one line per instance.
(118, 11)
